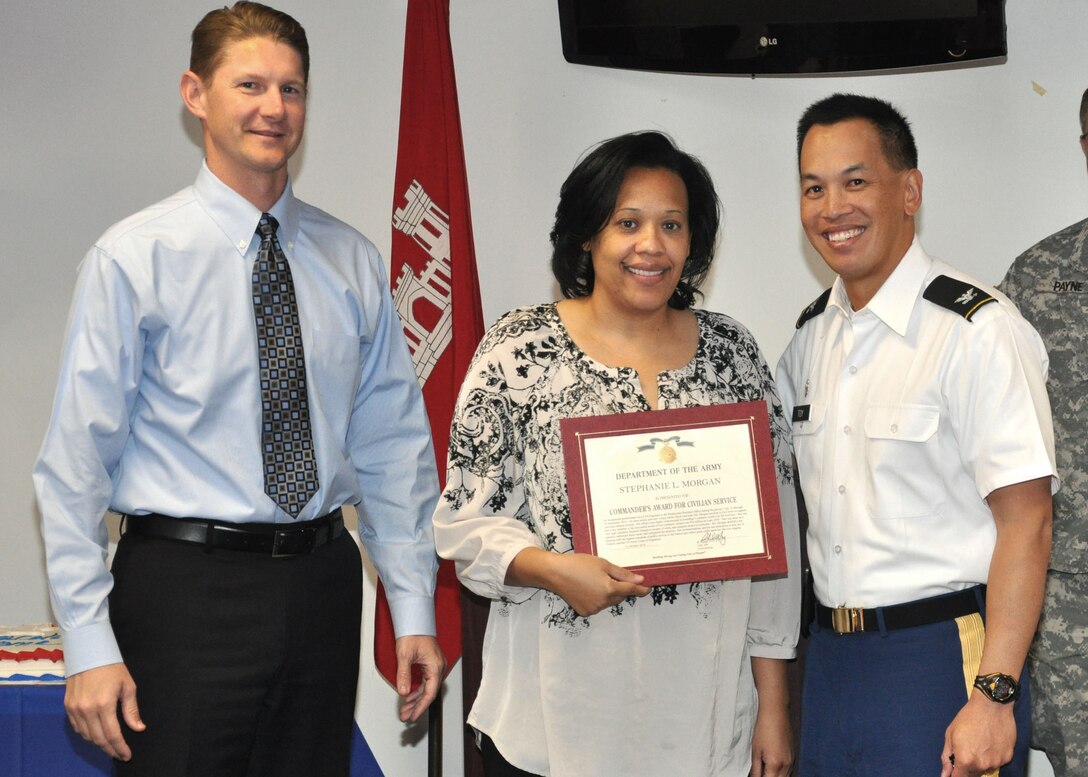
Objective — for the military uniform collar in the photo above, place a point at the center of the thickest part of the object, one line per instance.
(895, 300)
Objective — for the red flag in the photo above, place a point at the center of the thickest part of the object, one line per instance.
(433, 269)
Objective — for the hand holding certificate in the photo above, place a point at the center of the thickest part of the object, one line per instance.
(678, 496)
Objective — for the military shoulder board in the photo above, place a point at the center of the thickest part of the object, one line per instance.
(956, 295)
(814, 309)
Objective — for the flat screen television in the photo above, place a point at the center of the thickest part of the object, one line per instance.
(780, 36)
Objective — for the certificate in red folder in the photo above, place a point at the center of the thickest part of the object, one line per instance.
(678, 496)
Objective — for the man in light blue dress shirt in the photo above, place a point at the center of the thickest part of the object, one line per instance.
(225, 638)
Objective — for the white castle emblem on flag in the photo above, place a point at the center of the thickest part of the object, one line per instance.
(427, 224)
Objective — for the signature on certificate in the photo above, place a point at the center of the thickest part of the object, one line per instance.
(713, 537)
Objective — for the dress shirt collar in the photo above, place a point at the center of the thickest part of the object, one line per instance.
(894, 301)
(238, 217)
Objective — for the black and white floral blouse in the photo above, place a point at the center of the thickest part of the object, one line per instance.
(660, 685)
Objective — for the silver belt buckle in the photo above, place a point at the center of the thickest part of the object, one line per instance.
(847, 620)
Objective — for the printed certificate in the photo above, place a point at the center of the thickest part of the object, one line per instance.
(678, 495)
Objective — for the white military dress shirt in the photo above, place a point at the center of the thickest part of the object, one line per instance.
(906, 415)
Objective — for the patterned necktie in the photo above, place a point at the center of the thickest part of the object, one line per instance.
(290, 469)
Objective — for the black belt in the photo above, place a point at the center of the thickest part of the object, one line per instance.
(273, 539)
(846, 620)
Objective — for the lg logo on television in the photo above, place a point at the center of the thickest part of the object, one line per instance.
(764, 41)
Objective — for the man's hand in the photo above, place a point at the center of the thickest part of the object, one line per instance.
(91, 700)
(981, 738)
(421, 651)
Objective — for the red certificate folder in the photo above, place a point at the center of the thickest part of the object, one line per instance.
(679, 496)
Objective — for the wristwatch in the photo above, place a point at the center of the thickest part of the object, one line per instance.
(1002, 688)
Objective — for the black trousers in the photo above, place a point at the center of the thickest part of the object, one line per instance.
(245, 665)
(495, 765)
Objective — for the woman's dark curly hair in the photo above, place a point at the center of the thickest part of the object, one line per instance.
(588, 197)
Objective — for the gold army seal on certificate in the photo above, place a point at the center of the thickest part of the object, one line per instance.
(678, 496)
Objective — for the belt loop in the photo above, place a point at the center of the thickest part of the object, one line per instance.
(209, 530)
(880, 621)
(980, 597)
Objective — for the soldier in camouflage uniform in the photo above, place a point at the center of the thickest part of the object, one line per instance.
(1049, 283)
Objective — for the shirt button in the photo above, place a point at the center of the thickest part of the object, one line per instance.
(291, 244)
(842, 489)
(895, 428)
(846, 430)
(853, 370)
(242, 244)
(838, 548)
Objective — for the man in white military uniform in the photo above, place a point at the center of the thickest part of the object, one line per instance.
(925, 454)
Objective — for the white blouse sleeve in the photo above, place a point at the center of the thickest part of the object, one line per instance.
(482, 518)
(776, 602)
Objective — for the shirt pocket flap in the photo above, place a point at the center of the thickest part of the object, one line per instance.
(910, 423)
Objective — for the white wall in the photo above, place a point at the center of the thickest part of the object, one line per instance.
(92, 129)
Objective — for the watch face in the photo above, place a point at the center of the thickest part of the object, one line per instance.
(1003, 687)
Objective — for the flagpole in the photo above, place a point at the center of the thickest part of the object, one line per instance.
(434, 736)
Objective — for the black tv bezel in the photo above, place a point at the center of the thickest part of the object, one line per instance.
(773, 48)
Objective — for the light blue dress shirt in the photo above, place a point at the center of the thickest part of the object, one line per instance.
(158, 404)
